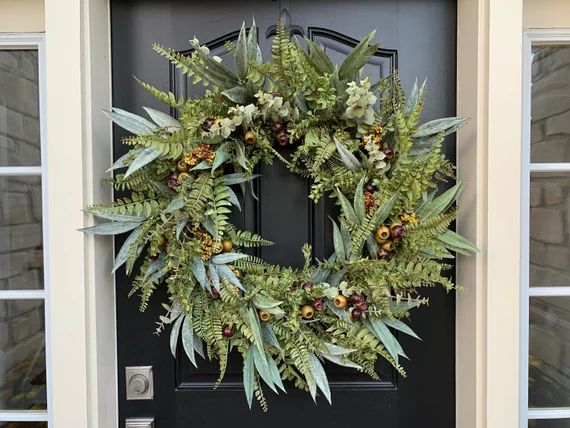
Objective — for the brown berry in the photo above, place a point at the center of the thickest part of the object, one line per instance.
(340, 301)
(383, 254)
(207, 124)
(264, 316)
(307, 312)
(227, 331)
(215, 294)
(319, 305)
(173, 180)
(182, 166)
(355, 313)
(308, 287)
(249, 137)
(182, 177)
(396, 230)
(388, 246)
(277, 126)
(389, 153)
(227, 245)
(355, 298)
(363, 305)
(381, 234)
(282, 139)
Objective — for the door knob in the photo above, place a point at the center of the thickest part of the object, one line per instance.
(139, 383)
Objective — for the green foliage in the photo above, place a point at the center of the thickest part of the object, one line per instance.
(378, 164)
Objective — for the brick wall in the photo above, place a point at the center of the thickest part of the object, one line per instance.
(22, 341)
(549, 332)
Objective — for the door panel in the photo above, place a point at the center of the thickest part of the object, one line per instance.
(419, 36)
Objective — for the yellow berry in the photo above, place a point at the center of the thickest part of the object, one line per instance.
(307, 312)
(264, 316)
(340, 301)
(227, 245)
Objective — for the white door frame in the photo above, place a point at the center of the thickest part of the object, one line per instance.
(84, 376)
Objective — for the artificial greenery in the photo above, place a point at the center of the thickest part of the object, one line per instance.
(359, 143)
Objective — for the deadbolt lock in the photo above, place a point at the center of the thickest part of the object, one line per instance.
(139, 383)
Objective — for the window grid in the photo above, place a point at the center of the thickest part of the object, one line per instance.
(33, 41)
(531, 38)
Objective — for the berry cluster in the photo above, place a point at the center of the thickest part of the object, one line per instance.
(386, 237)
(281, 137)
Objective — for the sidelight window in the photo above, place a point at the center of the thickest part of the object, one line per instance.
(545, 274)
(23, 288)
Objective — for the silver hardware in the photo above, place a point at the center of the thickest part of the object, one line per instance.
(139, 423)
(139, 383)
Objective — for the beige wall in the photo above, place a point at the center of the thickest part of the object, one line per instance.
(21, 16)
(546, 14)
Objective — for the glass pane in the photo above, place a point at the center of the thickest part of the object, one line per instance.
(21, 255)
(549, 352)
(19, 108)
(550, 104)
(23, 425)
(22, 355)
(549, 423)
(550, 229)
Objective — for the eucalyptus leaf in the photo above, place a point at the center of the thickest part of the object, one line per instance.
(145, 157)
(112, 228)
(347, 158)
(174, 205)
(441, 203)
(457, 243)
(262, 367)
(228, 257)
(124, 160)
(222, 155)
(188, 342)
(249, 376)
(359, 206)
(262, 301)
(383, 333)
(123, 253)
(338, 243)
(320, 376)
(238, 95)
(347, 209)
(395, 323)
(226, 273)
(199, 270)
(180, 225)
(175, 333)
(214, 276)
(232, 197)
(201, 166)
(131, 122)
(339, 360)
(239, 177)
(270, 338)
(445, 126)
(162, 119)
(241, 55)
(357, 57)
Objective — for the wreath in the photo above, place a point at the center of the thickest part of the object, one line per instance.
(358, 143)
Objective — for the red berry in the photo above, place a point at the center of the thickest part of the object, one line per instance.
(319, 305)
(362, 306)
(389, 153)
(308, 287)
(215, 293)
(277, 126)
(397, 231)
(355, 298)
(282, 139)
(383, 254)
(207, 124)
(355, 313)
(227, 331)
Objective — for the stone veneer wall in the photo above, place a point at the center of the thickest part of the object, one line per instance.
(22, 341)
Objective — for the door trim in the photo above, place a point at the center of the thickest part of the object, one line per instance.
(489, 88)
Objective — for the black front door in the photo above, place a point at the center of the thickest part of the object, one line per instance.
(418, 37)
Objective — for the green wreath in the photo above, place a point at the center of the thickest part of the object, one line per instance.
(381, 168)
